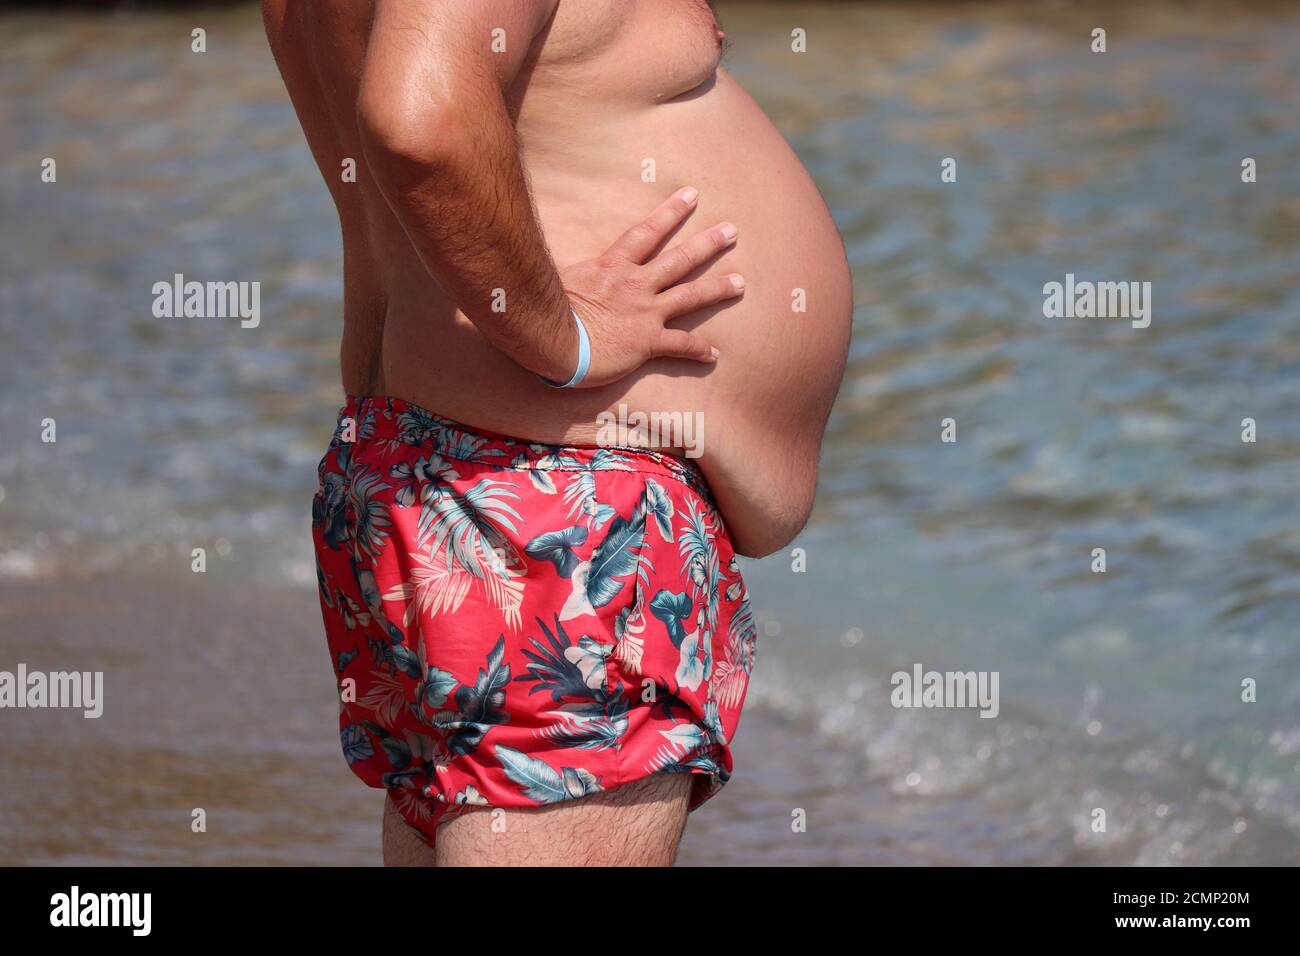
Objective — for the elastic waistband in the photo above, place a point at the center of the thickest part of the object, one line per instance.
(384, 418)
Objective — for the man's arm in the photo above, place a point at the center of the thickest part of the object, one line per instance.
(439, 139)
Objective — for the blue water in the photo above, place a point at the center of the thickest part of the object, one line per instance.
(1119, 691)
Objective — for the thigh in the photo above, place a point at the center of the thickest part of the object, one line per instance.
(637, 824)
(402, 847)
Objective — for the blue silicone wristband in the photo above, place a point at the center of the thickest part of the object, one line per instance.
(584, 357)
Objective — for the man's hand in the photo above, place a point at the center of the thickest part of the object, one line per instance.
(625, 296)
(439, 142)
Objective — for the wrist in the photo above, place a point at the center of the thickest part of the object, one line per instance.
(582, 360)
(545, 342)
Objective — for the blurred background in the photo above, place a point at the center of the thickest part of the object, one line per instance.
(1119, 691)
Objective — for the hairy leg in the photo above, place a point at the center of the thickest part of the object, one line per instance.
(637, 824)
(401, 845)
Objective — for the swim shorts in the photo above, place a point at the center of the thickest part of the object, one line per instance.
(514, 624)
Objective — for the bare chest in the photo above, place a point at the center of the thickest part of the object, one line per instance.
(624, 52)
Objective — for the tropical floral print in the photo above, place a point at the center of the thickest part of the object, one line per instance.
(514, 624)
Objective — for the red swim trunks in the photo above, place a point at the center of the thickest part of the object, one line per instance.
(515, 624)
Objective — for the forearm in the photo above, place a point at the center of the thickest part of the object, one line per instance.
(441, 146)
(462, 197)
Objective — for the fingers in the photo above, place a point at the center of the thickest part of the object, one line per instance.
(678, 262)
(639, 243)
(689, 296)
(675, 343)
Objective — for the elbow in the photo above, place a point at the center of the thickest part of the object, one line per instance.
(403, 143)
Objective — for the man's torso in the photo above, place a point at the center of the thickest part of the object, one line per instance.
(620, 103)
